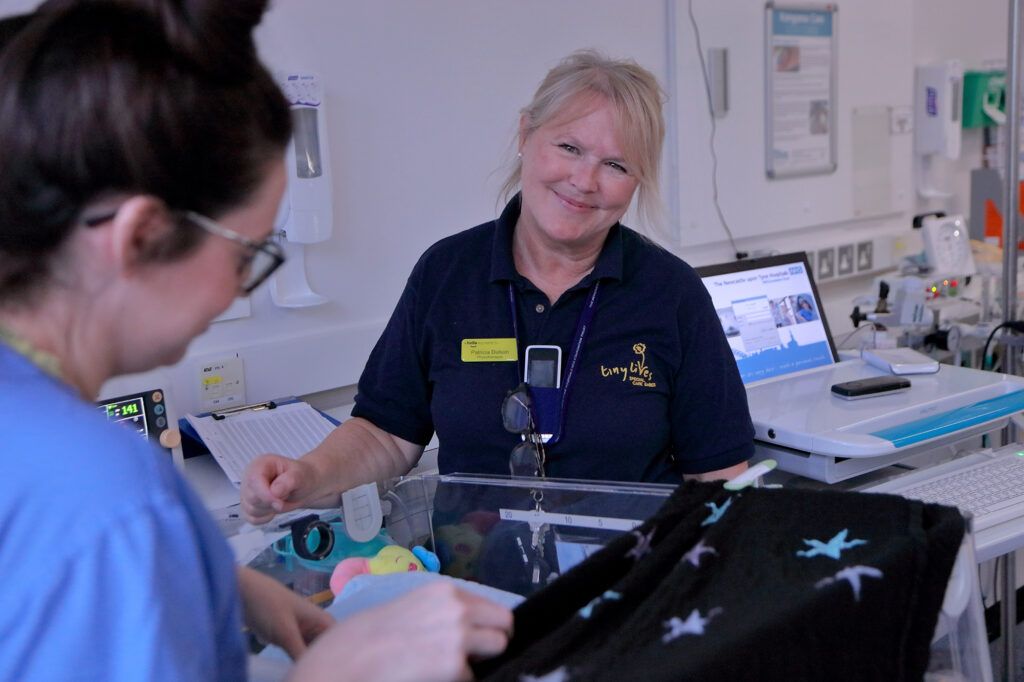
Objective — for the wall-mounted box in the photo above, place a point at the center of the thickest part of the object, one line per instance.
(984, 99)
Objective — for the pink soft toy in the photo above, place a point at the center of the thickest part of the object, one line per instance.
(390, 559)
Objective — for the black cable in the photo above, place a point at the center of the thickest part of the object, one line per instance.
(1015, 325)
(740, 255)
(874, 327)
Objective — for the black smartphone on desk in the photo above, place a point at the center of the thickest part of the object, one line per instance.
(868, 388)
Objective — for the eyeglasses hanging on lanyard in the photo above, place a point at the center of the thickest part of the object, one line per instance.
(518, 415)
(527, 458)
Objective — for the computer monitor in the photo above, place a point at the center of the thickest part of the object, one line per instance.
(771, 315)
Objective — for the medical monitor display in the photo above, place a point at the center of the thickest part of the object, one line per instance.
(770, 312)
(145, 412)
(131, 413)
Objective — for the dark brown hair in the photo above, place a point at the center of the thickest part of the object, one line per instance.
(166, 98)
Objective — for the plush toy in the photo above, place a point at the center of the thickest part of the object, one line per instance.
(390, 559)
(459, 544)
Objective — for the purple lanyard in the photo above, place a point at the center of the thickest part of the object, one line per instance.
(582, 326)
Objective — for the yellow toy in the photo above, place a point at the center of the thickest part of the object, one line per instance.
(390, 559)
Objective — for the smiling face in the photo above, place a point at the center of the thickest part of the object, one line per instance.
(575, 180)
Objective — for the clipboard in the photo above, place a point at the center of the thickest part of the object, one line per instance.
(289, 427)
(192, 444)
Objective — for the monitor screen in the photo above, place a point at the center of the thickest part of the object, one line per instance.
(145, 413)
(131, 412)
(771, 315)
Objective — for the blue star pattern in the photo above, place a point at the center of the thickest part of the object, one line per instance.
(833, 548)
(694, 555)
(607, 596)
(643, 545)
(556, 675)
(694, 624)
(716, 512)
(851, 574)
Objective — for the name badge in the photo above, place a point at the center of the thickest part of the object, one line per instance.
(489, 350)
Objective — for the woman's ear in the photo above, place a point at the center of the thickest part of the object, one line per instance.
(139, 226)
(524, 123)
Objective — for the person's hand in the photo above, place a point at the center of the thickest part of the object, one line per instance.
(273, 484)
(428, 635)
(279, 616)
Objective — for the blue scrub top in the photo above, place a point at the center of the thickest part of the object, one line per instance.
(657, 393)
(112, 569)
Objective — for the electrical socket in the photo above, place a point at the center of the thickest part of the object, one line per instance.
(844, 260)
(850, 260)
(826, 264)
(865, 256)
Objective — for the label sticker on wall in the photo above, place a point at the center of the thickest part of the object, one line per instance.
(221, 383)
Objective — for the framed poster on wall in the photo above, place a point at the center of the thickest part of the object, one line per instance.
(800, 89)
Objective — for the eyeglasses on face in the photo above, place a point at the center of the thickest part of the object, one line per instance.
(262, 258)
(259, 262)
(527, 458)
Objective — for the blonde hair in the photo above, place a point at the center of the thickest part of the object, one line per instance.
(635, 96)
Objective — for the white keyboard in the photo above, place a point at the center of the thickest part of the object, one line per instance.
(989, 485)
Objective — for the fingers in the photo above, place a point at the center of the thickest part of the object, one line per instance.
(485, 613)
(302, 623)
(427, 635)
(282, 488)
(292, 642)
(483, 642)
(259, 503)
(313, 622)
(255, 511)
(489, 626)
(481, 627)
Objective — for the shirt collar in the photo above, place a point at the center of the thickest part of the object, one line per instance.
(503, 268)
(14, 365)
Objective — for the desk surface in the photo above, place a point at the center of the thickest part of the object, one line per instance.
(800, 412)
(210, 482)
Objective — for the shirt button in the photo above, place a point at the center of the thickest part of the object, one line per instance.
(539, 308)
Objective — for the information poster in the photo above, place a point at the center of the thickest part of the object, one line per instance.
(800, 90)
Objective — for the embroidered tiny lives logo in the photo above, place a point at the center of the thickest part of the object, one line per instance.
(636, 372)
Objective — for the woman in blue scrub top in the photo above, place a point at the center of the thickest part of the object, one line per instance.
(649, 388)
(142, 170)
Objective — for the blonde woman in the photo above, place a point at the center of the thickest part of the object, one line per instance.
(648, 387)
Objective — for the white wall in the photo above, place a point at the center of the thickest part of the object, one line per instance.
(423, 102)
(975, 33)
(423, 98)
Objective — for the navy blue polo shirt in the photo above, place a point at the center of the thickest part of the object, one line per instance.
(656, 392)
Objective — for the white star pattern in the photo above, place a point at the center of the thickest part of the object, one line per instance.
(556, 675)
(852, 575)
(693, 625)
(607, 596)
(716, 512)
(694, 555)
(643, 545)
(833, 548)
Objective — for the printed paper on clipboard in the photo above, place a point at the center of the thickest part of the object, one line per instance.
(291, 430)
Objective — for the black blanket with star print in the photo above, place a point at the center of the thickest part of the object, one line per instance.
(756, 585)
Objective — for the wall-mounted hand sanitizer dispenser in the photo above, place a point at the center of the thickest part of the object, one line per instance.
(938, 102)
(937, 106)
(306, 215)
